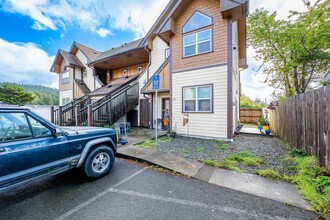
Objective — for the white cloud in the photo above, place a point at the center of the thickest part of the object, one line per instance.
(25, 63)
(136, 16)
(104, 32)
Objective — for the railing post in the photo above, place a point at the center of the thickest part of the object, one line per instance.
(109, 112)
(77, 109)
(89, 116)
(59, 116)
(52, 114)
(126, 101)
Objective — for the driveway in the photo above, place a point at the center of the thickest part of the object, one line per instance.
(132, 191)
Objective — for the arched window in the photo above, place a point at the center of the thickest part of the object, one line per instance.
(197, 21)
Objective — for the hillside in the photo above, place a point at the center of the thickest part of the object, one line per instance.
(44, 95)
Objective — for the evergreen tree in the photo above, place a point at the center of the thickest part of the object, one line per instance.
(15, 95)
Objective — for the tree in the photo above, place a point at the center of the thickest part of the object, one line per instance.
(246, 102)
(295, 52)
(15, 95)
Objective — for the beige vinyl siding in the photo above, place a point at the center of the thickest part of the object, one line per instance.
(89, 80)
(160, 97)
(236, 73)
(157, 55)
(65, 94)
(209, 125)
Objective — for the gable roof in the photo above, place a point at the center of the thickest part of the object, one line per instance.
(90, 53)
(70, 59)
(226, 9)
(118, 50)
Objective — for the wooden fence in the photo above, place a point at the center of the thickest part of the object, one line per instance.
(250, 115)
(304, 122)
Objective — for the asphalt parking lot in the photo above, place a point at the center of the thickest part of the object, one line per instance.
(132, 191)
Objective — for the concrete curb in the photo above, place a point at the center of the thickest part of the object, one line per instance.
(248, 183)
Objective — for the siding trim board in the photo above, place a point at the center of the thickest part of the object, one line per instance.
(199, 68)
(229, 80)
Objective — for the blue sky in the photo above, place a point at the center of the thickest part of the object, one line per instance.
(33, 30)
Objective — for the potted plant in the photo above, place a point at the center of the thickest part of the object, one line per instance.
(264, 123)
(171, 134)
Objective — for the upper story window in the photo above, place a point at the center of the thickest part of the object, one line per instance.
(66, 77)
(197, 21)
(167, 53)
(85, 73)
(197, 42)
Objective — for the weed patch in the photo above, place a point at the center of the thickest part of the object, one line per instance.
(200, 150)
(270, 174)
(247, 158)
(149, 144)
(230, 165)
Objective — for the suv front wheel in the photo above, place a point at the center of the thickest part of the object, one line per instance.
(98, 162)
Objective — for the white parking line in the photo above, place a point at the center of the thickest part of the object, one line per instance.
(82, 205)
(198, 204)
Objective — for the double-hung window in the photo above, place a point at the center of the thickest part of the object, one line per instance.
(197, 99)
(66, 77)
(197, 43)
(200, 40)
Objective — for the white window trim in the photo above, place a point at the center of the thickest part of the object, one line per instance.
(198, 99)
(197, 43)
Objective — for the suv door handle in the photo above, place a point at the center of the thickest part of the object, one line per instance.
(2, 150)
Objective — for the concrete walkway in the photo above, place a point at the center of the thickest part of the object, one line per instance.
(247, 183)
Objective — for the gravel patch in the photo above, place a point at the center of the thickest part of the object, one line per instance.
(269, 149)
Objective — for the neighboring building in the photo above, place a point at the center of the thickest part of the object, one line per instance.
(198, 48)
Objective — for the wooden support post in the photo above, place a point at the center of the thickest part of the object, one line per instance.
(77, 109)
(52, 114)
(59, 116)
(89, 116)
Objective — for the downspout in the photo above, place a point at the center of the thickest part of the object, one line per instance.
(150, 103)
(73, 82)
(229, 79)
(149, 64)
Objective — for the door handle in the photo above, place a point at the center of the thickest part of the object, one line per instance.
(2, 150)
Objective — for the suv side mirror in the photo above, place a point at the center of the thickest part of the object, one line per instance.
(58, 133)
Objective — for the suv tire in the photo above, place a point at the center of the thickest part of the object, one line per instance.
(98, 162)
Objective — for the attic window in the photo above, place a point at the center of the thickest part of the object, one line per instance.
(95, 52)
(197, 21)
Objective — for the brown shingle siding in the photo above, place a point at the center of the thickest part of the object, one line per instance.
(219, 53)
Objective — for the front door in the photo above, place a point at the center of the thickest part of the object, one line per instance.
(144, 113)
(166, 113)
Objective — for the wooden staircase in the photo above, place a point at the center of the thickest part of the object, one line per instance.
(103, 112)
